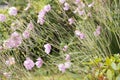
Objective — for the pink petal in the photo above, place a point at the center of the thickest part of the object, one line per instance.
(13, 11)
(47, 48)
(2, 17)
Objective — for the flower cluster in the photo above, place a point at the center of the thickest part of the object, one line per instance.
(42, 13)
(29, 64)
(26, 33)
(79, 34)
(14, 41)
(63, 66)
(66, 6)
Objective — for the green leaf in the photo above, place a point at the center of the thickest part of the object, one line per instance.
(97, 60)
(108, 61)
(118, 77)
(109, 74)
(118, 66)
(114, 66)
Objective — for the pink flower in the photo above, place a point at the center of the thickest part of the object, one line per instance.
(2, 17)
(42, 14)
(10, 61)
(29, 64)
(77, 1)
(62, 1)
(12, 11)
(47, 48)
(67, 58)
(61, 67)
(16, 37)
(65, 48)
(71, 21)
(91, 5)
(9, 43)
(67, 64)
(82, 36)
(79, 34)
(81, 12)
(26, 34)
(41, 21)
(98, 31)
(39, 62)
(66, 6)
(14, 41)
(30, 26)
(47, 8)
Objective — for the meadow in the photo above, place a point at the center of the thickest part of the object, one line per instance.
(59, 39)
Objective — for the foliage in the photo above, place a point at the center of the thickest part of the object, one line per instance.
(108, 69)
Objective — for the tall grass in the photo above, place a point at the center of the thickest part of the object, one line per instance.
(59, 33)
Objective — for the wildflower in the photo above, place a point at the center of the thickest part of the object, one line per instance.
(28, 6)
(17, 39)
(67, 64)
(91, 5)
(10, 61)
(66, 6)
(12, 11)
(30, 26)
(65, 48)
(79, 34)
(39, 62)
(47, 48)
(61, 67)
(67, 58)
(42, 14)
(14, 41)
(81, 12)
(71, 21)
(41, 21)
(2, 17)
(29, 64)
(47, 8)
(82, 36)
(98, 31)
(26, 34)
(77, 1)
(62, 1)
